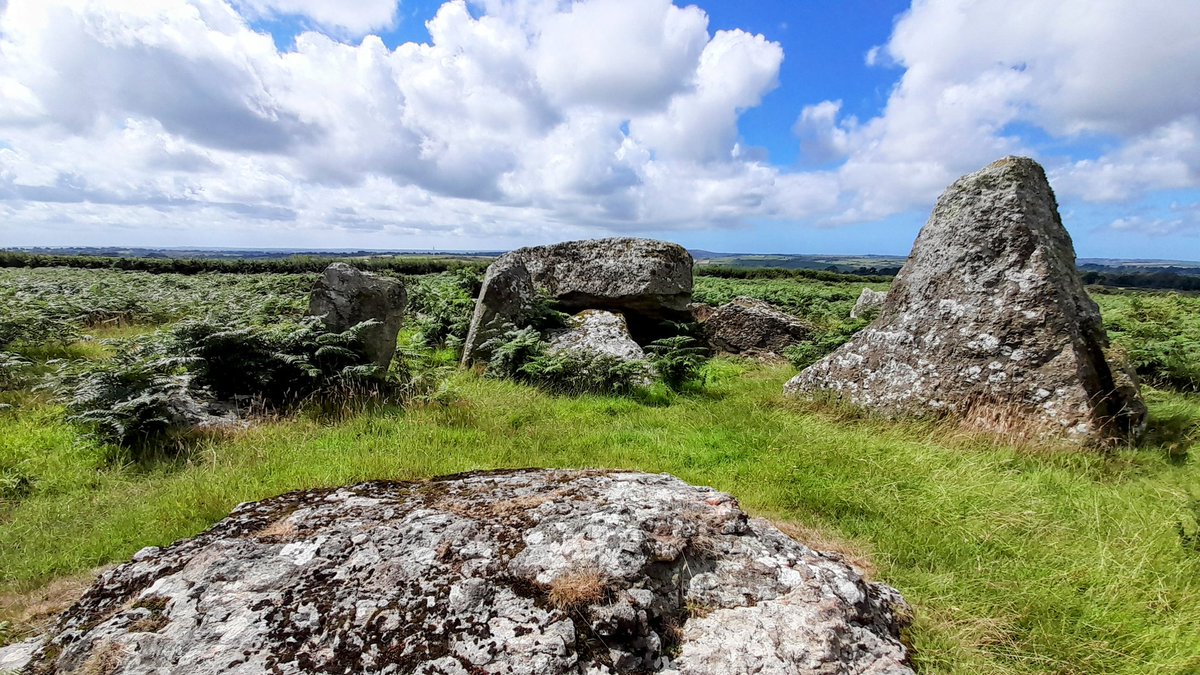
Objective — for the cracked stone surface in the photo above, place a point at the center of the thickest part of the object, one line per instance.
(989, 320)
(645, 280)
(534, 572)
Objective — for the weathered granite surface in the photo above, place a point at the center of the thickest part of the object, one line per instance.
(598, 332)
(345, 297)
(869, 302)
(751, 327)
(526, 572)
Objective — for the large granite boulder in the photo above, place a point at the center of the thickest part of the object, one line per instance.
(989, 320)
(526, 572)
(646, 281)
(751, 327)
(345, 297)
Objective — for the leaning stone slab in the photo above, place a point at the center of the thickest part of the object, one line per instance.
(525, 572)
(989, 320)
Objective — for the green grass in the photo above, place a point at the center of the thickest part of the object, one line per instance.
(1015, 560)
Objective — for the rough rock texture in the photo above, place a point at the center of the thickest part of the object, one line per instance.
(346, 297)
(989, 319)
(645, 280)
(527, 572)
(869, 302)
(598, 332)
(751, 327)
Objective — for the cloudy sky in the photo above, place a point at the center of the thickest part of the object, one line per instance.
(815, 126)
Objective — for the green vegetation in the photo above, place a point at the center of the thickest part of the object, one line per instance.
(289, 265)
(522, 355)
(1015, 559)
(1159, 335)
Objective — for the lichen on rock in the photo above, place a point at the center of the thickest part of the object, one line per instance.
(644, 280)
(989, 320)
(535, 572)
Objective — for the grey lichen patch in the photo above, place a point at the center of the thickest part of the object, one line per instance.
(502, 572)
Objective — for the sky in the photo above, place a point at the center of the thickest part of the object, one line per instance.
(775, 126)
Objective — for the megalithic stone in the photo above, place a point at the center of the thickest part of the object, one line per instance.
(989, 320)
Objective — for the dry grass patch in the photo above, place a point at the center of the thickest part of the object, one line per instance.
(32, 613)
(577, 588)
(279, 530)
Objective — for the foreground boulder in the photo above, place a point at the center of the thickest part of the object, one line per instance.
(869, 302)
(527, 572)
(644, 280)
(989, 320)
(751, 327)
(345, 297)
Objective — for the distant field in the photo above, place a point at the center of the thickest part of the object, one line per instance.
(1016, 559)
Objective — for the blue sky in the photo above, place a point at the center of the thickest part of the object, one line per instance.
(774, 126)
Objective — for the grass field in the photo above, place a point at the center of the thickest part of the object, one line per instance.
(1015, 559)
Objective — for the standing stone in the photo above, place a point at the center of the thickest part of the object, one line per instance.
(646, 281)
(345, 297)
(989, 320)
(869, 302)
(751, 327)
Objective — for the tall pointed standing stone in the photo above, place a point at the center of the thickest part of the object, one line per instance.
(989, 320)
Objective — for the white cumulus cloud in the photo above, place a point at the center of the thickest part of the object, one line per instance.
(356, 17)
(1120, 75)
(516, 118)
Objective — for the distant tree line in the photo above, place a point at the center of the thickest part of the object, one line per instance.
(1156, 280)
(292, 265)
(1123, 277)
(1172, 281)
(780, 273)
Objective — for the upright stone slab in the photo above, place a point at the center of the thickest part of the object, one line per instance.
(644, 280)
(869, 302)
(989, 320)
(345, 297)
